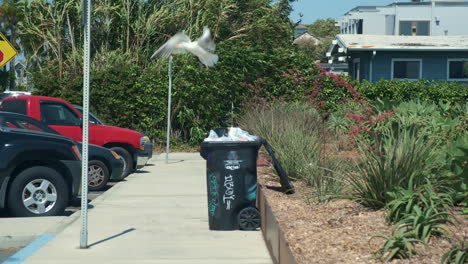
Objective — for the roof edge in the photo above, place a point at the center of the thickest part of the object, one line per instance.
(410, 49)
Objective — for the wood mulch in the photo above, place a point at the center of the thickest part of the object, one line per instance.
(339, 231)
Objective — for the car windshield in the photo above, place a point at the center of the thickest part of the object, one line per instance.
(24, 123)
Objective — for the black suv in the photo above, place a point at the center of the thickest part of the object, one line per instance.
(39, 172)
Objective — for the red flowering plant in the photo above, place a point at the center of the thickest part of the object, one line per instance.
(322, 90)
(391, 154)
(365, 119)
(329, 91)
(367, 128)
(367, 122)
(294, 84)
(258, 96)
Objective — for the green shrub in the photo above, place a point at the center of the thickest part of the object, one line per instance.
(297, 134)
(454, 157)
(128, 93)
(291, 129)
(339, 123)
(391, 159)
(428, 120)
(427, 90)
(325, 175)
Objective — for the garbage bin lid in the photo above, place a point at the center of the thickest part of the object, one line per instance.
(208, 144)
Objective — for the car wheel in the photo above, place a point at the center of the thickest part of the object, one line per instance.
(38, 191)
(98, 175)
(127, 160)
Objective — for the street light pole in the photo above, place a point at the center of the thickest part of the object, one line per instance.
(84, 158)
(169, 95)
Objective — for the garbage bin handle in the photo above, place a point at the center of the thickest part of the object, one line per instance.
(286, 184)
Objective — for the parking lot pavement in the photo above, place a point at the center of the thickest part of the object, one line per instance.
(158, 215)
(18, 232)
(76, 204)
(15, 233)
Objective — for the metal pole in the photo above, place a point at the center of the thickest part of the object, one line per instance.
(84, 161)
(169, 95)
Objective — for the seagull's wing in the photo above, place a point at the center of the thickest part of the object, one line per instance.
(171, 45)
(207, 58)
(205, 41)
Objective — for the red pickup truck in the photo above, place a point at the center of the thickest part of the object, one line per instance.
(135, 148)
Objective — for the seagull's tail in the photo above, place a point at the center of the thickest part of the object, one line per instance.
(209, 59)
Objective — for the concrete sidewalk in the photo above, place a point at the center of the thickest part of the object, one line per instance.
(158, 215)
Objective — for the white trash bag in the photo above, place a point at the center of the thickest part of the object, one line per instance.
(234, 134)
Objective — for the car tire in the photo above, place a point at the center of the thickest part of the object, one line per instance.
(127, 159)
(98, 175)
(38, 191)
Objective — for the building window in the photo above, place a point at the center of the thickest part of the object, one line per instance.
(357, 69)
(414, 28)
(360, 26)
(410, 69)
(458, 69)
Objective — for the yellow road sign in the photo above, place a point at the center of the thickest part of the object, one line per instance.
(7, 52)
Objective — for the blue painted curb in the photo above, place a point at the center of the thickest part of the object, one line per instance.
(27, 251)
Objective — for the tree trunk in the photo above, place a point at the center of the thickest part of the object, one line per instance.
(128, 27)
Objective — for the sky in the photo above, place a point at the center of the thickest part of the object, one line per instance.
(322, 9)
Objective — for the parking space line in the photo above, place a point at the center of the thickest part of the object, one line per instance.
(27, 251)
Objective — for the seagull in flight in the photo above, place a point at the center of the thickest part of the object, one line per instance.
(203, 47)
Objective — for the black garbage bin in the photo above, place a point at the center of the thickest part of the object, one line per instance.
(231, 170)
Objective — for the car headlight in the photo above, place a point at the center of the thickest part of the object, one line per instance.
(143, 141)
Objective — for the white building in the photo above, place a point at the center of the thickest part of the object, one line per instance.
(414, 18)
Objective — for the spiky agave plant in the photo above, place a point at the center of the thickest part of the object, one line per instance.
(400, 245)
(424, 223)
(457, 254)
(426, 196)
(402, 203)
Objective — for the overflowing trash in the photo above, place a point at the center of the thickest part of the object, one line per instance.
(230, 134)
(231, 177)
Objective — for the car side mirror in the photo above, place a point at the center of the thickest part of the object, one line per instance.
(90, 121)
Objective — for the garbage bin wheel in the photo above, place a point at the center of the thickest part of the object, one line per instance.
(249, 218)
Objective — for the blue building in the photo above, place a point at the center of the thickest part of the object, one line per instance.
(375, 57)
